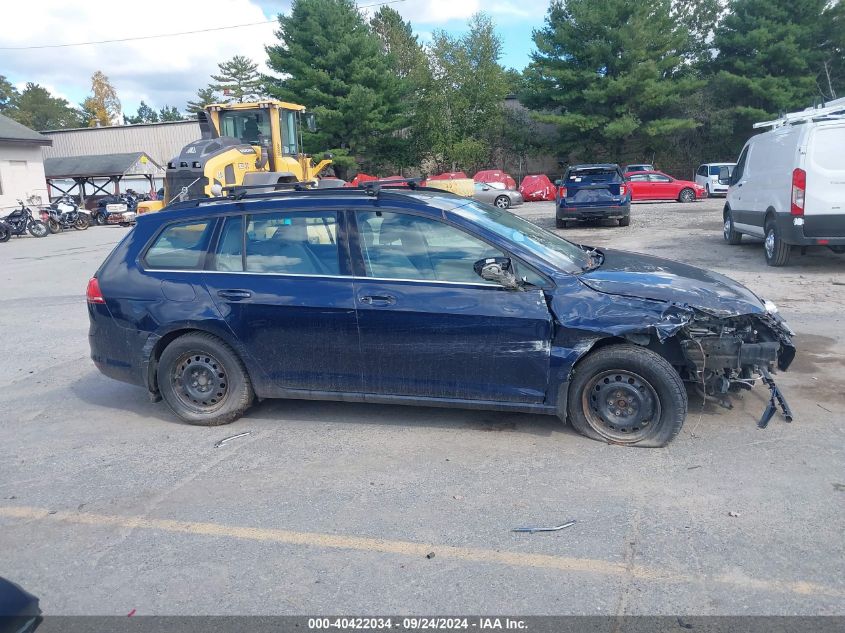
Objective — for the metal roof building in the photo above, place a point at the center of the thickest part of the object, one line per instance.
(160, 141)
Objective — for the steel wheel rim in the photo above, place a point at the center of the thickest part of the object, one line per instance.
(769, 244)
(728, 227)
(621, 405)
(200, 382)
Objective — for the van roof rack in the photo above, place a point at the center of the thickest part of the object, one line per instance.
(831, 110)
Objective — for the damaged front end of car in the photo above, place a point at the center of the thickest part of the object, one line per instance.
(726, 354)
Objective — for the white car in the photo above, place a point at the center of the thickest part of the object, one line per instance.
(707, 175)
(788, 186)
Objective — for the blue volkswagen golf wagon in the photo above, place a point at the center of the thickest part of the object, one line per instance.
(418, 296)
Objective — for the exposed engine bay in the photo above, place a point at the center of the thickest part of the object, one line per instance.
(729, 354)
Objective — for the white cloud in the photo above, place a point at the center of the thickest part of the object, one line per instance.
(165, 70)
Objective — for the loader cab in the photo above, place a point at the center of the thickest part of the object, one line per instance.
(255, 126)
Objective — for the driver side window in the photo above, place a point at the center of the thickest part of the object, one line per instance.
(401, 246)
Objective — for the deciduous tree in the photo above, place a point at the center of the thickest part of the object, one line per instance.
(102, 107)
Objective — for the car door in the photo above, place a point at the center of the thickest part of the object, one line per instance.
(662, 187)
(741, 197)
(640, 186)
(430, 327)
(283, 285)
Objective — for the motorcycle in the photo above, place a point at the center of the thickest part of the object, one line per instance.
(19, 222)
(120, 209)
(64, 214)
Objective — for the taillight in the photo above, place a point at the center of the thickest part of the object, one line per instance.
(561, 192)
(622, 190)
(93, 293)
(799, 190)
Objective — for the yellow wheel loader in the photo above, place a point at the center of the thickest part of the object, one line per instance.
(248, 144)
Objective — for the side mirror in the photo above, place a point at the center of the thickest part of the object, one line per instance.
(725, 176)
(498, 269)
(558, 182)
(328, 156)
(311, 122)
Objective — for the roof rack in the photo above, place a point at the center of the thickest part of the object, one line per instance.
(370, 188)
(831, 110)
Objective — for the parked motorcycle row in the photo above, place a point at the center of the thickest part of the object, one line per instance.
(65, 214)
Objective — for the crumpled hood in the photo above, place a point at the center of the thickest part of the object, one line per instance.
(647, 277)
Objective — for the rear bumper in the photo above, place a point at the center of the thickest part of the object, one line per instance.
(593, 213)
(812, 230)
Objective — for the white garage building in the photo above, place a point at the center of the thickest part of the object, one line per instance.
(21, 164)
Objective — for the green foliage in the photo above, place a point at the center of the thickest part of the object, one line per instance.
(613, 76)
(238, 79)
(461, 110)
(205, 96)
(170, 113)
(8, 94)
(331, 61)
(145, 114)
(37, 109)
(775, 56)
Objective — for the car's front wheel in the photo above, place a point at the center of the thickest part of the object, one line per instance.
(624, 394)
(686, 195)
(503, 202)
(203, 380)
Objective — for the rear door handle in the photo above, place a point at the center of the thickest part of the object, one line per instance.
(378, 300)
(234, 295)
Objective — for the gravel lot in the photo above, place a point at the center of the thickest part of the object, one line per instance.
(109, 504)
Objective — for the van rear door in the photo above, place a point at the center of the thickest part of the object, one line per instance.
(824, 204)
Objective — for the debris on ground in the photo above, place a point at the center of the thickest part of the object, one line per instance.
(733, 514)
(230, 438)
(531, 530)
(430, 555)
(457, 497)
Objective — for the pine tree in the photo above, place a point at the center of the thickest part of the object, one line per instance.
(612, 76)
(332, 62)
(8, 94)
(145, 114)
(205, 96)
(238, 79)
(37, 109)
(775, 56)
(170, 113)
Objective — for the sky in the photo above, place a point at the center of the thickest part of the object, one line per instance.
(169, 70)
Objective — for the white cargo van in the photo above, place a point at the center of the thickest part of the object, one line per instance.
(788, 186)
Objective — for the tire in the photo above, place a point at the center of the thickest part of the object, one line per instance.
(707, 193)
(728, 232)
(230, 395)
(776, 251)
(644, 384)
(5, 234)
(503, 202)
(53, 226)
(686, 195)
(38, 229)
(561, 224)
(82, 222)
(99, 219)
(626, 221)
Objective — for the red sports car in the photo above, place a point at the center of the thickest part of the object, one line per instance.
(655, 185)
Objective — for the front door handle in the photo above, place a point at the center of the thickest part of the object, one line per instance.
(378, 300)
(234, 295)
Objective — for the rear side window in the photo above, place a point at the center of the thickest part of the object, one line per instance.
(293, 243)
(180, 246)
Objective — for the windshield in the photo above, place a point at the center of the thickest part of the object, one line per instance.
(555, 250)
(248, 126)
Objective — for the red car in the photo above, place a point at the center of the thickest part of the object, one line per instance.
(655, 185)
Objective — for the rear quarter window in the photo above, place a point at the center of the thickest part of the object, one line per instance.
(180, 246)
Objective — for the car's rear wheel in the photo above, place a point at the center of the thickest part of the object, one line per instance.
(777, 252)
(203, 381)
(503, 202)
(624, 394)
(730, 234)
(561, 224)
(625, 221)
(686, 195)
